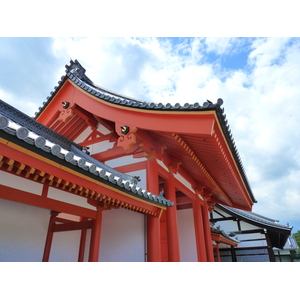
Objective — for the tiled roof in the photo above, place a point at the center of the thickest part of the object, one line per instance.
(290, 244)
(31, 132)
(218, 230)
(76, 73)
(260, 220)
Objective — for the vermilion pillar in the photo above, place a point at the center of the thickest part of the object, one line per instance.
(172, 223)
(199, 231)
(95, 236)
(218, 252)
(153, 239)
(207, 234)
(153, 223)
(82, 242)
(49, 237)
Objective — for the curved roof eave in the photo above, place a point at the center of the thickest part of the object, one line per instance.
(32, 133)
(76, 73)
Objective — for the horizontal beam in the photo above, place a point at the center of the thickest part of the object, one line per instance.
(166, 121)
(72, 226)
(9, 193)
(28, 157)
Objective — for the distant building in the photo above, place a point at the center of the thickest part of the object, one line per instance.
(259, 238)
(97, 176)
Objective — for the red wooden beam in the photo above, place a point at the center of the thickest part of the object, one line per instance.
(95, 236)
(44, 202)
(141, 118)
(49, 237)
(72, 226)
(77, 178)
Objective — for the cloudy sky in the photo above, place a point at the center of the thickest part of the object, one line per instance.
(258, 79)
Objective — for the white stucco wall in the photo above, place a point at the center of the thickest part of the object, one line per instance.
(60, 195)
(23, 230)
(123, 161)
(65, 246)
(20, 183)
(122, 236)
(187, 239)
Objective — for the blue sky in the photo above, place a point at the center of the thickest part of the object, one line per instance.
(258, 79)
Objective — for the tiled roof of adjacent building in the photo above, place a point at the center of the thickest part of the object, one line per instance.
(290, 244)
(218, 230)
(28, 131)
(278, 233)
(76, 73)
(253, 217)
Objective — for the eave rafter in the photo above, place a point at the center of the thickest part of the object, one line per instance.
(93, 197)
(232, 167)
(194, 157)
(226, 152)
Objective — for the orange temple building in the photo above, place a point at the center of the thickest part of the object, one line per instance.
(97, 176)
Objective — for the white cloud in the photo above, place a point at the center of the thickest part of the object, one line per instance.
(267, 51)
(26, 104)
(220, 45)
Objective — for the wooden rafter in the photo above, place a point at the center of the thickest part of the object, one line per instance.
(194, 157)
(26, 171)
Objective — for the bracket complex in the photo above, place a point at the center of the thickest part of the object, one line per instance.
(66, 112)
(127, 136)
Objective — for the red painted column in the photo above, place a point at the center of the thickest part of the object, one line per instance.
(153, 239)
(218, 253)
(172, 223)
(199, 231)
(95, 236)
(49, 237)
(207, 234)
(153, 223)
(82, 242)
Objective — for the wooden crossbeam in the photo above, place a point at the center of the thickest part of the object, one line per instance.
(72, 226)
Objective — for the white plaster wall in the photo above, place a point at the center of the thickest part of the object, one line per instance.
(122, 236)
(65, 246)
(20, 183)
(100, 147)
(123, 161)
(187, 239)
(23, 230)
(66, 197)
(247, 226)
(83, 135)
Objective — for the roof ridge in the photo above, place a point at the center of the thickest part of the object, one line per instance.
(76, 73)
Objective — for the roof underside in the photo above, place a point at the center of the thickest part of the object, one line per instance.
(211, 158)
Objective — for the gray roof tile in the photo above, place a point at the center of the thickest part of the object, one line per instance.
(32, 132)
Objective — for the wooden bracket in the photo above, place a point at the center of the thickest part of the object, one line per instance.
(127, 136)
(66, 112)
